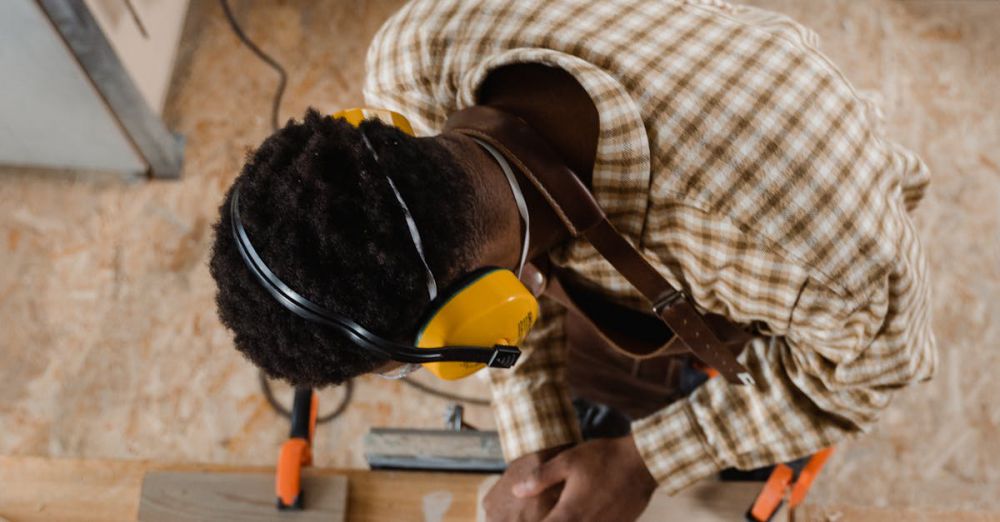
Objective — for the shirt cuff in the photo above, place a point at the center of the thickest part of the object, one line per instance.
(533, 416)
(673, 448)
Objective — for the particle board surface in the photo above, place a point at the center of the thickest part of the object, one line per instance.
(180, 496)
(843, 513)
(108, 332)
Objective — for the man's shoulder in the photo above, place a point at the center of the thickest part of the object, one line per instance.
(791, 155)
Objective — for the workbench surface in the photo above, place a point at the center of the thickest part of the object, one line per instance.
(36, 488)
(72, 490)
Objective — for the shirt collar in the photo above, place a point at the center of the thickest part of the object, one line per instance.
(621, 166)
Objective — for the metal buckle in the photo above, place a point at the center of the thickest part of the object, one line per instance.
(668, 300)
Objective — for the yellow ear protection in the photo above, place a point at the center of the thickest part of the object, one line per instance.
(479, 322)
(488, 307)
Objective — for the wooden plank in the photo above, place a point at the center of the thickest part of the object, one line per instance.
(178, 496)
(39, 489)
(709, 501)
(73, 490)
(377, 496)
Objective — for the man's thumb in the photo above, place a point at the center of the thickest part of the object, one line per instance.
(544, 477)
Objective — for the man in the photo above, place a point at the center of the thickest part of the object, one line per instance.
(716, 138)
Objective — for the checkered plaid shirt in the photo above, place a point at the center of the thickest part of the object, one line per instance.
(750, 173)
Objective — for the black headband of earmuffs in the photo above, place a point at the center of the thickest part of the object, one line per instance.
(498, 356)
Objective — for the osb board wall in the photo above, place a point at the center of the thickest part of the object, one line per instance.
(108, 335)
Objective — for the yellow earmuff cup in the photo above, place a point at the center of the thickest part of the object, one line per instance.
(495, 308)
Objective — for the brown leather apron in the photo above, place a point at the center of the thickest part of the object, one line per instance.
(632, 350)
(599, 373)
(630, 361)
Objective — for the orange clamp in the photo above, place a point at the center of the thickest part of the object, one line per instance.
(773, 493)
(294, 455)
(784, 481)
(807, 475)
(296, 452)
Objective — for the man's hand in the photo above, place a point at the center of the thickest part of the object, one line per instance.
(501, 505)
(603, 479)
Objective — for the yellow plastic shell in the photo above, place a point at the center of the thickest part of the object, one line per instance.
(356, 115)
(496, 308)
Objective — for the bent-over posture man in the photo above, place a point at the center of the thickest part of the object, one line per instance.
(717, 139)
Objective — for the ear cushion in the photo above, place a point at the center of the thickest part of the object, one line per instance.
(487, 307)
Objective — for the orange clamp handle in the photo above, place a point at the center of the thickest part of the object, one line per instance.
(772, 494)
(295, 454)
(808, 475)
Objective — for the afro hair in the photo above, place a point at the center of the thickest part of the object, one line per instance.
(320, 212)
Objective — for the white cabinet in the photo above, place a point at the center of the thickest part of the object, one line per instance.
(79, 90)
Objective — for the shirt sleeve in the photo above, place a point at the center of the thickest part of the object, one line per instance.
(531, 401)
(828, 377)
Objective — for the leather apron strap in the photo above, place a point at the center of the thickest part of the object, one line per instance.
(582, 216)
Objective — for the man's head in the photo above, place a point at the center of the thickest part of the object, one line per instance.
(320, 212)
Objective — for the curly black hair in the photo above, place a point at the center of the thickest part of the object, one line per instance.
(319, 210)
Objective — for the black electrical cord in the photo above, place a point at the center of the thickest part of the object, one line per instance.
(265, 385)
(265, 388)
(266, 58)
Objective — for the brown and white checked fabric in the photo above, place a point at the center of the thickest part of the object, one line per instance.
(747, 169)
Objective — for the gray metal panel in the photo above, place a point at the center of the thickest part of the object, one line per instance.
(441, 450)
(50, 114)
(162, 150)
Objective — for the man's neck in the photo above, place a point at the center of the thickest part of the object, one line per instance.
(554, 104)
(494, 193)
(546, 116)
(556, 107)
